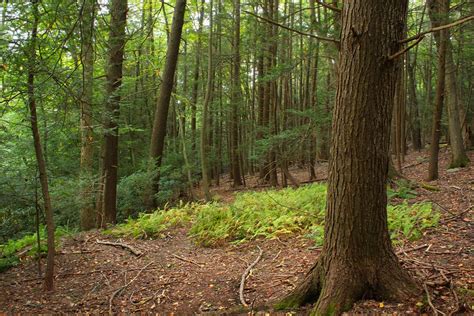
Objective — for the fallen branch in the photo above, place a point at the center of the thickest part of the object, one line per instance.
(121, 245)
(435, 310)
(429, 187)
(120, 289)
(188, 260)
(457, 215)
(412, 249)
(245, 274)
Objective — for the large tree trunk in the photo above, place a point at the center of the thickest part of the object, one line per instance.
(108, 201)
(87, 138)
(438, 11)
(357, 260)
(43, 176)
(161, 114)
(438, 108)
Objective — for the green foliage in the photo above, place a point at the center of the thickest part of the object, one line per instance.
(407, 222)
(266, 214)
(269, 214)
(403, 190)
(9, 251)
(132, 193)
(151, 225)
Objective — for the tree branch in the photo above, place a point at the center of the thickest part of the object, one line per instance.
(436, 29)
(327, 39)
(406, 49)
(327, 5)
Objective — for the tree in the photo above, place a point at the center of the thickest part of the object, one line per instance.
(358, 260)
(161, 114)
(43, 175)
(108, 200)
(438, 11)
(204, 144)
(236, 99)
(87, 137)
(438, 108)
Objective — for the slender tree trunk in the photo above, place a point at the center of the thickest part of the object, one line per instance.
(438, 108)
(205, 111)
(438, 11)
(358, 260)
(108, 207)
(414, 112)
(236, 100)
(194, 97)
(161, 114)
(87, 137)
(43, 175)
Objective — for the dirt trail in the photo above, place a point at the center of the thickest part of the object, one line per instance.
(183, 278)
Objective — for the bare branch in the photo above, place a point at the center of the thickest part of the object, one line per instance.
(327, 5)
(436, 29)
(322, 38)
(406, 49)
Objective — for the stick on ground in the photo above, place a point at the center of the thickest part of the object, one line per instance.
(245, 274)
(121, 245)
(120, 289)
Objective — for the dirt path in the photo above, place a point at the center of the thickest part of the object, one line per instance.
(175, 276)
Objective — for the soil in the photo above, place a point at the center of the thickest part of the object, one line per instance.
(174, 276)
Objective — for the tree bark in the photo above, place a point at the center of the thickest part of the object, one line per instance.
(87, 214)
(194, 97)
(43, 175)
(205, 112)
(108, 201)
(161, 114)
(438, 108)
(236, 100)
(414, 107)
(438, 11)
(357, 260)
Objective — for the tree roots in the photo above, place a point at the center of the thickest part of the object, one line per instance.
(337, 288)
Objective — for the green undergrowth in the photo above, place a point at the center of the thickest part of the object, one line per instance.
(269, 214)
(26, 247)
(153, 224)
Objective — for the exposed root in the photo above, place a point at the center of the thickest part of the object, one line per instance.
(336, 289)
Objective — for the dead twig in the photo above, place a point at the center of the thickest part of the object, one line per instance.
(435, 310)
(245, 274)
(412, 249)
(458, 306)
(274, 258)
(188, 260)
(120, 289)
(121, 245)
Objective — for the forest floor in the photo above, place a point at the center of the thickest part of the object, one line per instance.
(173, 275)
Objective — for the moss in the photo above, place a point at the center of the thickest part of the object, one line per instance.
(461, 162)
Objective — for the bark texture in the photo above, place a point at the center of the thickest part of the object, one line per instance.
(438, 108)
(40, 158)
(107, 209)
(87, 137)
(204, 144)
(236, 100)
(357, 259)
(161, 114)
(438, 11)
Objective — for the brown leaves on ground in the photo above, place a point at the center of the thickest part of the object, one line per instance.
(173, 275)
